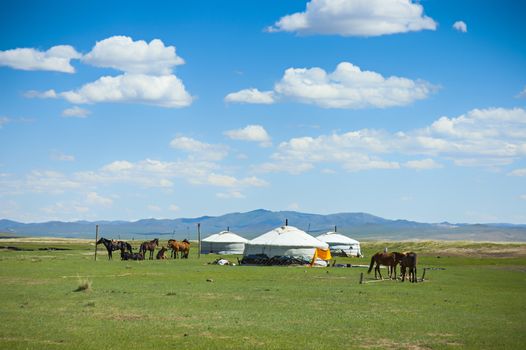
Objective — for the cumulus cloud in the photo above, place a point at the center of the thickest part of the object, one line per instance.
(198, 149)
(230, 195)
(147, 78)
(164, 91)
(55, 59)
(41, 94)
(96, 199)
(251, 96)
(349, 87)
(423, 164)
(138, 57)
(356, 18)
(75, 112)
(492, 137)
(255, 133)
(460, 26)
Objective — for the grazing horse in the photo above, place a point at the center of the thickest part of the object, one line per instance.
(387, 259)
(408, 261)
(183, 247)
(149, 246)
(112, 245)
(160, 254)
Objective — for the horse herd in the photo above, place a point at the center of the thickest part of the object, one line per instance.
(179, 248)
(406, 260)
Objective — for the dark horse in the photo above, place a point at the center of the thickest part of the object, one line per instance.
(149, 246)
(112, 245)
(408, 261)
(183, 247)
(160, 254)
(387, 259)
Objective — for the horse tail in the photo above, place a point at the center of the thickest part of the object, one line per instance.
(371, 265)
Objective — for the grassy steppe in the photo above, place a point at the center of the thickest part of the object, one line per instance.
(478, 302)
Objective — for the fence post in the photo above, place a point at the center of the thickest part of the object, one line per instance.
(361, 277)
(96, 240)
(199, 241)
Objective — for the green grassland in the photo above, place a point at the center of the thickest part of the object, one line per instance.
(477, 302)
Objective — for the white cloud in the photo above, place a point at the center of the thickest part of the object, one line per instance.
(255, 133)
(173, 207)
(76, 112)
(138, 57)
(41, 94)
(230, 195)
(57, 210)
(164, 91)
(95, 199)
(522, 94)
(284, 167)
(231, 181)
(118, 165)
(349, 87)
(251, 96)
(147, 78)
(488, 138)
(156, 173)
(56, 59)
(356, 18)
(461, 26)
(518, 172)
(198, 149)
(423, 164)
(523, 197)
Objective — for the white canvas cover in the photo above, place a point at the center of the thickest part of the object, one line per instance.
(224, 242)
(338, 242)
(285, 241)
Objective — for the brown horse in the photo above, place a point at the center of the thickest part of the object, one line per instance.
(160, 254)
(149, 246)
(181, 247)
(387, 259)
(408, 261)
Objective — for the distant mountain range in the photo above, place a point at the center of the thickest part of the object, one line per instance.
(253, 223)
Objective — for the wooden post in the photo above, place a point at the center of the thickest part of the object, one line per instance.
(96, 240)
(199, 240)
(361, 277)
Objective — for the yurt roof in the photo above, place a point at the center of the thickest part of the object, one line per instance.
(288, 236)
(225, 237)
(333, 237)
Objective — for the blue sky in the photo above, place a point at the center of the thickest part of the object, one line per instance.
(129, 110)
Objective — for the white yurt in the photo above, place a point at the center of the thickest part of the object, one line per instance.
(340, 244)
(224, 242)
(286, 241)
